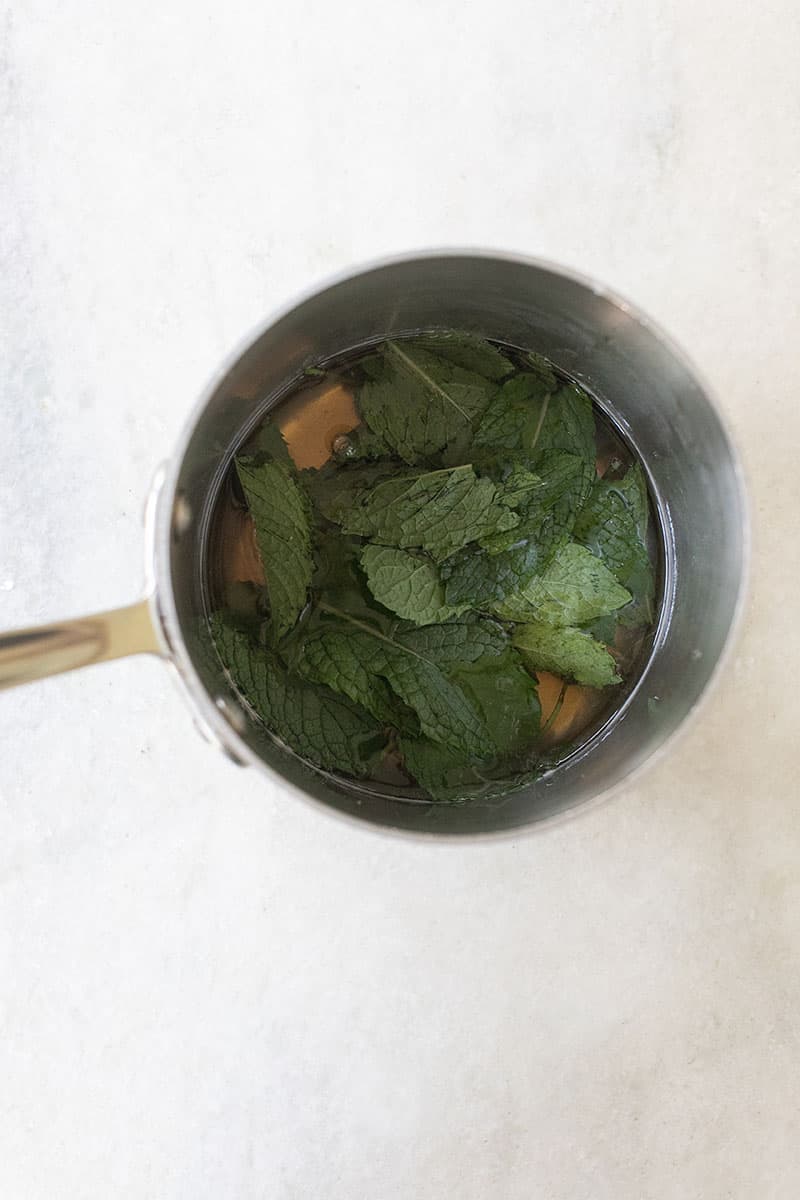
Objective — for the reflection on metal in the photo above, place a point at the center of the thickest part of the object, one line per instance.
(28, 654)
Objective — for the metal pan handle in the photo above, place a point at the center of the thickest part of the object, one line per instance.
(28, 654)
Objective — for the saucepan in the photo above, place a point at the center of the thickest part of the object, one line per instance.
(637, 377)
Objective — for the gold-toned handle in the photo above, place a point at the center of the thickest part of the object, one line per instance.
(28, 654)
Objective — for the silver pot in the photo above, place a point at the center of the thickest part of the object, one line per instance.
(635, 374)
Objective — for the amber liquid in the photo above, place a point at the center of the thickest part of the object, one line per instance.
(311, 420)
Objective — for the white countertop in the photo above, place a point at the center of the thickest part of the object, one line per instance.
(208, 988)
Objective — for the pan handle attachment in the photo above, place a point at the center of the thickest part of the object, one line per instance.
(28, 654)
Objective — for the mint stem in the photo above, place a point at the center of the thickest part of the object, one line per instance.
(556, 709)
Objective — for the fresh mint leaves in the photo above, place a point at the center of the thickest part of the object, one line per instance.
(469, 351)
(455, 544)
(438, 511)
(316, 723)
(567, 423)
(532, 416)
(571, 653)
(408, 584)
(281, 515)
(515, 419)
(347, 654)
(575, 589)
(613, 525)
(505, 695)
(418, 400)
(546, 508)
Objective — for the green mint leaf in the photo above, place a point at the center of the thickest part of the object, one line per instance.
(613, 525)
(539, 366)
(576, 588)
(314, 722)
(280, 511)
(268, 440)
(549, 506)
(408, 584)
(517, 482)
(469, 351)
(341, 583)
(347, 665)
(439, 771)
(478, 579)
(418, 401)
(354, 648)
(333, 489)
(247, 606)
(438, 511)
(633, 489)
(513, 419)
(567, 423)
(568, 652)
(507, 698)
(456, 643)
(339, 579)
(547, 513)
(355, 666)
(603, 629)
(527, 418)
(448, 779)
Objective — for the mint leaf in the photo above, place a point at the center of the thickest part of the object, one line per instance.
(457, 643)
(567, 423)
(347, 665)
(469, 351)
(280, 513)
(477, 578)
(512, 421)
(247, 605)
(314, 722)
(418, 401)
(568, 652)
(338, 578)
(334, 490)
(547, 511)
(408, 584)
(613, 525)
(438, 511)
(341, 653)
(539, 366)
(531, 420)
(576, 588)
(506, 696)
(547, 506)
(269, 440)
(517, 482)
(448, 780)
(439, 771)
(633, 488)
(603, 629)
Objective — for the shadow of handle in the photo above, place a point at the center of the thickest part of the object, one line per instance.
(28, 654)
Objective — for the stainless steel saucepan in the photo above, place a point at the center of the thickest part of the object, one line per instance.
(634, 373)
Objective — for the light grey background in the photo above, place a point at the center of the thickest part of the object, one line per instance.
(208, 989)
